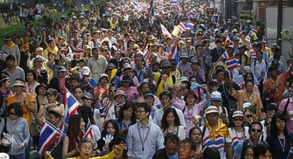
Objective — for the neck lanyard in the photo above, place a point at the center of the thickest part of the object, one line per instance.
(282, 144)
(13, 127)
(219, 53)
(20, 100)
(140, 137)
(30, 88)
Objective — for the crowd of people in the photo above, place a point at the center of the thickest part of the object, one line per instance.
(113, 82)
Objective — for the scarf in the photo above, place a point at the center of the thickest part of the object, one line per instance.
(24, 47)
(221, 130)
(10, 46)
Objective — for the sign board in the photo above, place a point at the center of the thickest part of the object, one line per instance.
(287, 29)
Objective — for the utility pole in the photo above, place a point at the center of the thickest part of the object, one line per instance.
(280, 21)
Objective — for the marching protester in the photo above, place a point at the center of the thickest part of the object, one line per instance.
(143, 79)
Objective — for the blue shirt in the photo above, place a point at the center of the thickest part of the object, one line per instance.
(277, 148)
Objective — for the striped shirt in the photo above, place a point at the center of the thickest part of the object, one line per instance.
(219, 142)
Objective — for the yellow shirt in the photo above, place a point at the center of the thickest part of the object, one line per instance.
(53, 11)
(26, 112)
(161, 86)
(108, 156)
(176, 73)
(45, 54)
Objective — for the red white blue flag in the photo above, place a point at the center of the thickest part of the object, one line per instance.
(151, 13)
(11, 6)
(165, 31)
(174, 52)
(225, 55)
(134, 4)
(146, 53)
(232, 63)
(70, 105)
(47, 136)
(88, 132)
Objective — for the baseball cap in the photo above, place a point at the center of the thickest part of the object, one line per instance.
(216, 96)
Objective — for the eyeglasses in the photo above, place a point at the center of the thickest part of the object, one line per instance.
(268, 123)
(113, 90)
(249, 116)
(13, 114)
(238, 118)
(255, 130)
(139, 112)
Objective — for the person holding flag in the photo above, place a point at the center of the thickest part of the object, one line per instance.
(54, 114)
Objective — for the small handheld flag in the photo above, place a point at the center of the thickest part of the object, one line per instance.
(165, 31)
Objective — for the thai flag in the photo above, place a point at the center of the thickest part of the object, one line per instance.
(189, 25)
(253, 56)
(146, 53)
(11, 7)
(88, 132)
(174, 3)
(47, 136)
(232, 63)
(182, 27)
(241, 85)
(134, 4)
(151, 10)
(261, 76)
(76, 8)
(174, 53)
(71, 105)
(165, 31)
(227, 39)
(225, 55)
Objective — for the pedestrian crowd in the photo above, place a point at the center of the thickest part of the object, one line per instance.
(141, 80)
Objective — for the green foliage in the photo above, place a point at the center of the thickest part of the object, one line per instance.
(17, 28)
(4, 7)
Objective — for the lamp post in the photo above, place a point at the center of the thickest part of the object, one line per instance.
(280, 21)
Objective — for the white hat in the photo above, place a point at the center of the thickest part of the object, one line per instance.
(212, 109)
(85, 71)
(216, 96)
(246, 105)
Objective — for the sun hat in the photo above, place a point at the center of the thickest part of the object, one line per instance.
(212, 109)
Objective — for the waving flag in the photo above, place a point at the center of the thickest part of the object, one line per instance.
(182, 27)
(189, 25)
(174, 52)
(165, 31)
(88, 132)
(151, 10)
(11, 6)
(227, 39)
(225, 55)
(134, 4)
(146, 53)
(232, 63)
(71, 105)
(47, 136)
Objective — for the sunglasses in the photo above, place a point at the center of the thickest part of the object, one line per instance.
(238, 118)
(268, 123)
(113, 90)
(13, 114)
(249, 116)
(255, 130)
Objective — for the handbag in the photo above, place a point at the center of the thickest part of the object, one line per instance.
(232, 105)
(3, 148)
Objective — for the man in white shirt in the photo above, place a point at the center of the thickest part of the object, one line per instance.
(40, 6)
(144, 138)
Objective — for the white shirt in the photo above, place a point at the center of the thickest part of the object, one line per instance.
(258, 67)
(40, 7)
